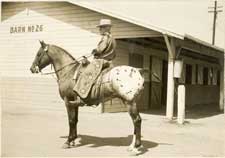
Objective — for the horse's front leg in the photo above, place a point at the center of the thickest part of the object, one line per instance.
(72, 112)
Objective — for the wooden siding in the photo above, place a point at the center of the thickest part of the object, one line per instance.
(202, 95)
(30, 92)
(19, 49)
(64, 24)
(77, 16)
(34, 93)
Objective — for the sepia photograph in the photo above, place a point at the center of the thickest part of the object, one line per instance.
(112, 78)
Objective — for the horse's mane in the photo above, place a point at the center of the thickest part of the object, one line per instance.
(64, 51)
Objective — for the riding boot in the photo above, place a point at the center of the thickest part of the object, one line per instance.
(77, 101)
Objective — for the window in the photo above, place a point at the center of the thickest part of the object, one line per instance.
(196, 74)
(188, 76)
(200, 74)
(136, 60)
(218, 77)
(214, 78)
(205, 76)
(211, 76)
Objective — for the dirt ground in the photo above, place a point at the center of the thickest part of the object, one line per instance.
(29, 131)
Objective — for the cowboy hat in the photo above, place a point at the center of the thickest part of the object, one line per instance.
(104, 22)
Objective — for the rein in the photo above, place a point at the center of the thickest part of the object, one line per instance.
(74, 62)
(49, 73)
(54, 72)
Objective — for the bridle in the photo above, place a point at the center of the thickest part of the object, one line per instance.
(54, 72)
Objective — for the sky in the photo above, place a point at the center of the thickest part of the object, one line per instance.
(178, 16)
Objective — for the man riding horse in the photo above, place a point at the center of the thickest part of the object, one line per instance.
(106, 47)
(103, 56)
(92, 85)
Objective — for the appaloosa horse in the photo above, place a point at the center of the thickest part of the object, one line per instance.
(123, 82)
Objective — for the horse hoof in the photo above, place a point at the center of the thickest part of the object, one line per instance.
(66, 146)
(136, 151)
(73, 144)
(130, 148)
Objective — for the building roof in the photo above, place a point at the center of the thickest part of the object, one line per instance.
(173, 21)
(102, 7)
(151, 16)
(203, 42)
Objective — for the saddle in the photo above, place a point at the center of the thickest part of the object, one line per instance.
(87, 76)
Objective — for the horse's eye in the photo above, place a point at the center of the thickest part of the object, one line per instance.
(38, 54)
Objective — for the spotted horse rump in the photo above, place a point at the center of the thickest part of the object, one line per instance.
(127, 81)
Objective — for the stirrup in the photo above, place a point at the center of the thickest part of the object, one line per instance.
(77, 102)
(94, 106)
(73, 102)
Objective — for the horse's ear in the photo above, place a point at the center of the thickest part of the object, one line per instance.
(40, 42)
(43, 45)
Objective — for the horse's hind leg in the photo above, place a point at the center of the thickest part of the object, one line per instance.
(136, 118)
(72, 112)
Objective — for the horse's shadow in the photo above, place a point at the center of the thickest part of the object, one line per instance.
(94, 142)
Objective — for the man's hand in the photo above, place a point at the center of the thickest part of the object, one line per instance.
(94, 51)
(85, 61)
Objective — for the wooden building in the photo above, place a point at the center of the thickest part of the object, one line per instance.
(72, 26)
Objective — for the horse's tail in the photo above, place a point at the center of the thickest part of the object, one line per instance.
(142, 71)
(127, 81)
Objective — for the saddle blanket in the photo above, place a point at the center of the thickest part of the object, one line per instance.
(88, 77)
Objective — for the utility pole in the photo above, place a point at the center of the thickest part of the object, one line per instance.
(215, 11)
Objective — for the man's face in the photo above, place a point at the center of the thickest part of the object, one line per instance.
(103, 29)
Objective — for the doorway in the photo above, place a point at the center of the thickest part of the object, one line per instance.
(158, 82)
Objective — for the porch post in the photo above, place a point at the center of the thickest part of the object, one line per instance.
(170, 79)
(0, 11)
(221, 101)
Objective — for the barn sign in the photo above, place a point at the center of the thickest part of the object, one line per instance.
(28, 28)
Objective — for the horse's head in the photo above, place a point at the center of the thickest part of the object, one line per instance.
(42, 59)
